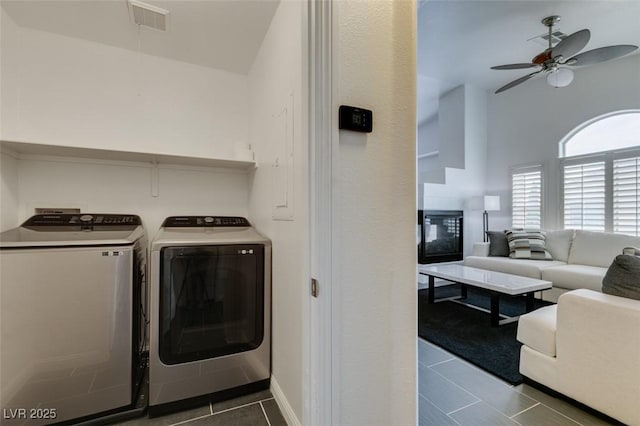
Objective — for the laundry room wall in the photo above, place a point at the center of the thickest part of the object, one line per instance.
(67, 91)
(8, 191)
(278, 197)
(125, 187)
(58, 90)
(8, 161)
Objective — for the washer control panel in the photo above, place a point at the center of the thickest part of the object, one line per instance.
(200, 221)
(85, 219)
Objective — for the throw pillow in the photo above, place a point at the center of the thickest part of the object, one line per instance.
(633, 251)
(623, 277)
(527, 245)
(498, 244)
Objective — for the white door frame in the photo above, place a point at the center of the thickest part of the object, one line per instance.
(320, 407)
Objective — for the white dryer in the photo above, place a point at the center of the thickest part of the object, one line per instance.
(72, 317)
(210, 311)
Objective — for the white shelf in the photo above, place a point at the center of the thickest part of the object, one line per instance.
(31, 150)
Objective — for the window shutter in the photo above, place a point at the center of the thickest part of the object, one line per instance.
(584, 196)
(626, 196)
(526, 199)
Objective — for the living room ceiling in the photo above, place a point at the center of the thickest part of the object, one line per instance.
(458, 41)
(221, 34)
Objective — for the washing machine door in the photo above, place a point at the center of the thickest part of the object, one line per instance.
(211, 301)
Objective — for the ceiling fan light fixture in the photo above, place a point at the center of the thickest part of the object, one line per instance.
(561, 77)
(553, 57)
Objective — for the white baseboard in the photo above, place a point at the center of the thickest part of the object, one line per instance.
(287, 412)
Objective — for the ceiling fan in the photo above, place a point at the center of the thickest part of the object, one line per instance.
(555, 58)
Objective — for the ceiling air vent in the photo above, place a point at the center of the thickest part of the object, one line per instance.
(148, 15)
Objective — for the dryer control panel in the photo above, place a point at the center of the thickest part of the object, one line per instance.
(200, 221)
(81, 220)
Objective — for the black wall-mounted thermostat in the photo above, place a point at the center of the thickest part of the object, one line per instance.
(356, 119)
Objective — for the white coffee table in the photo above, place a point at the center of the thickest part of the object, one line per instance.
(496, 283)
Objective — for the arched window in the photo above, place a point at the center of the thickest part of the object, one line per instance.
(615, 131)
(601, 174)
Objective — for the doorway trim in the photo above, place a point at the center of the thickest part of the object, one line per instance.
(320, 346)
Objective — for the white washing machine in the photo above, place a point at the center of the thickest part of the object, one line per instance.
(210, 311)
(73, 295)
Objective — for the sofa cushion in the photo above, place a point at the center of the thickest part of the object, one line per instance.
(523, 267)
(623, 277)
(599, 248)
(572, 277)
(498, 244)
(558, 243)
(537, 330)
(527, 245)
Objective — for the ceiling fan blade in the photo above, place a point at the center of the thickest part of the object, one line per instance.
(601, 54)
(572, 44)
(516, 82)
(514, 66)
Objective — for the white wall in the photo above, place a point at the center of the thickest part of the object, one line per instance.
(461, 185)
(8, 191)
(8, 161)
(276, 84)
(63, 91)
(452, 128)
(67, 91)
(121, 187)
(374, 215)
(428, 135)
(525, 125)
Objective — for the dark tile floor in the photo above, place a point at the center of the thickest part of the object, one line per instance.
(454, 392)
(255, 409)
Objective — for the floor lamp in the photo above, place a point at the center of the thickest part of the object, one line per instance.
(491, 204)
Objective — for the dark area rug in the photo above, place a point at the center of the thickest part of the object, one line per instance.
(466, 332)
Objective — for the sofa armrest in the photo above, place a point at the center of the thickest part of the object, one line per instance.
(480, 249)
(598, 342)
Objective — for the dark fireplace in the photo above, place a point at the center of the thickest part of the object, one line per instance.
(439, 235)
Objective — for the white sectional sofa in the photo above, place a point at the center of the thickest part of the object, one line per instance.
(586, 347)
(580, 260)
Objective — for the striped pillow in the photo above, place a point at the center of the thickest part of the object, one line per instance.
(524, 244)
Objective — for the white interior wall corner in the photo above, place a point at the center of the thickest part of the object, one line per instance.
(9, 181)
(9, 72)
(452, 129)
(374, 257)
(276, 74)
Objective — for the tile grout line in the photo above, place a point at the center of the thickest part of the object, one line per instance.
(435, 406)
(562, 414)
(456, 385)
(526, 409)
(190, 420)
(465, 362)
(508, 386)
(242, 406)
(265, 414)
(437, 363)
(466, 406)
(550, 408)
